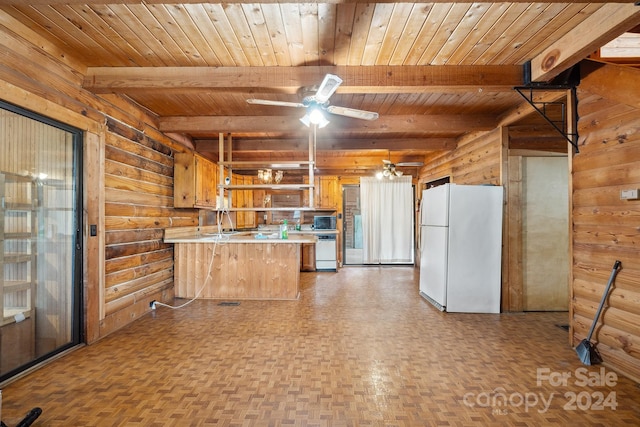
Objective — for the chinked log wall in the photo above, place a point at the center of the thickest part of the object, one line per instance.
(128, 179)
(606, 228)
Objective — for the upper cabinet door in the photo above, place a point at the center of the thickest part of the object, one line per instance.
(194, 181)
(327, 192)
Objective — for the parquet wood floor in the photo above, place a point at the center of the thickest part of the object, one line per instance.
(359, 348)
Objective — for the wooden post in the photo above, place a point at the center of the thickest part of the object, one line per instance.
(220, 170)
(572, 112)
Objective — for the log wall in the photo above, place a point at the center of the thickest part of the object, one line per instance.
(476, 160)
(138, 183)
(604, 227)
(128, 179)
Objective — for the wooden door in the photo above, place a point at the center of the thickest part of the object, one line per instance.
(545, 233)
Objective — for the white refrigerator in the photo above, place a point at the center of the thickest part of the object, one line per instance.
(461, 247)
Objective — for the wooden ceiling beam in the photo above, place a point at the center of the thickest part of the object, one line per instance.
(370, 160)
(373, 79)
(261, 145)
(598, 29)
(327, 163)
(556, 144)
(208, 125)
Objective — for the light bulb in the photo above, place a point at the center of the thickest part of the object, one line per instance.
(316, 116)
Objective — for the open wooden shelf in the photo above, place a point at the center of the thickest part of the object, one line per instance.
(268, 164)
(267, 186)
(226, 160)
(258, 209)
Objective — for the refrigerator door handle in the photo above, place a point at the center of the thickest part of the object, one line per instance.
(419, 238)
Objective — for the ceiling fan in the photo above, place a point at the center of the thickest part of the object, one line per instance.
(317, 100)
(389, 169)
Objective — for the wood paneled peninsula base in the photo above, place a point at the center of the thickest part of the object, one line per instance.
(244, 267)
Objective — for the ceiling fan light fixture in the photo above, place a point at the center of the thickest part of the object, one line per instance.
(318, 99)
(305, 120)
(389, 171)
(314, 116)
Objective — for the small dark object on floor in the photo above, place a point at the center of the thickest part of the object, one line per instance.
(31, 416)
(229, 303)
(565, 327)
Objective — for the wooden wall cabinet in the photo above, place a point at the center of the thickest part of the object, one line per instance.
(195, 185)
(194, 181)
(19, 204)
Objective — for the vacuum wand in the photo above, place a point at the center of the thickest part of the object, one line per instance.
(587, 353)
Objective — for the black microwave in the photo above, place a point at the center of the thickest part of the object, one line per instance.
(324, 222)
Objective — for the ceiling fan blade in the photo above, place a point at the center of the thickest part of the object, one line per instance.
(276, 103)
(386, 162)
(415, 164)
(327, 88)
(352, 112)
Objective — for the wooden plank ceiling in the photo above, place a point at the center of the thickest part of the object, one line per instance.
(434, 71)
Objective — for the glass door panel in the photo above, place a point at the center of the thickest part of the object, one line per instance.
(352, 231)
(40, 256)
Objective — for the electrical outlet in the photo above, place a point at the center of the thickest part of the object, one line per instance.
(631, 194)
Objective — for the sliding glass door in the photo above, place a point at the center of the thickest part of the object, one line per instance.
(352, 225)
(40, 239)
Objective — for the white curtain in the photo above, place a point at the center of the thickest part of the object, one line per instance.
(387, 220)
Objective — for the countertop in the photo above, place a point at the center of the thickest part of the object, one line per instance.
(305, 230)
(243, 237)
(267, 234)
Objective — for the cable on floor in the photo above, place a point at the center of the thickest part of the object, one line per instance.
(218, 238)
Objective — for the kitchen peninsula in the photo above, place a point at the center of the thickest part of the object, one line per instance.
(246, 265)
